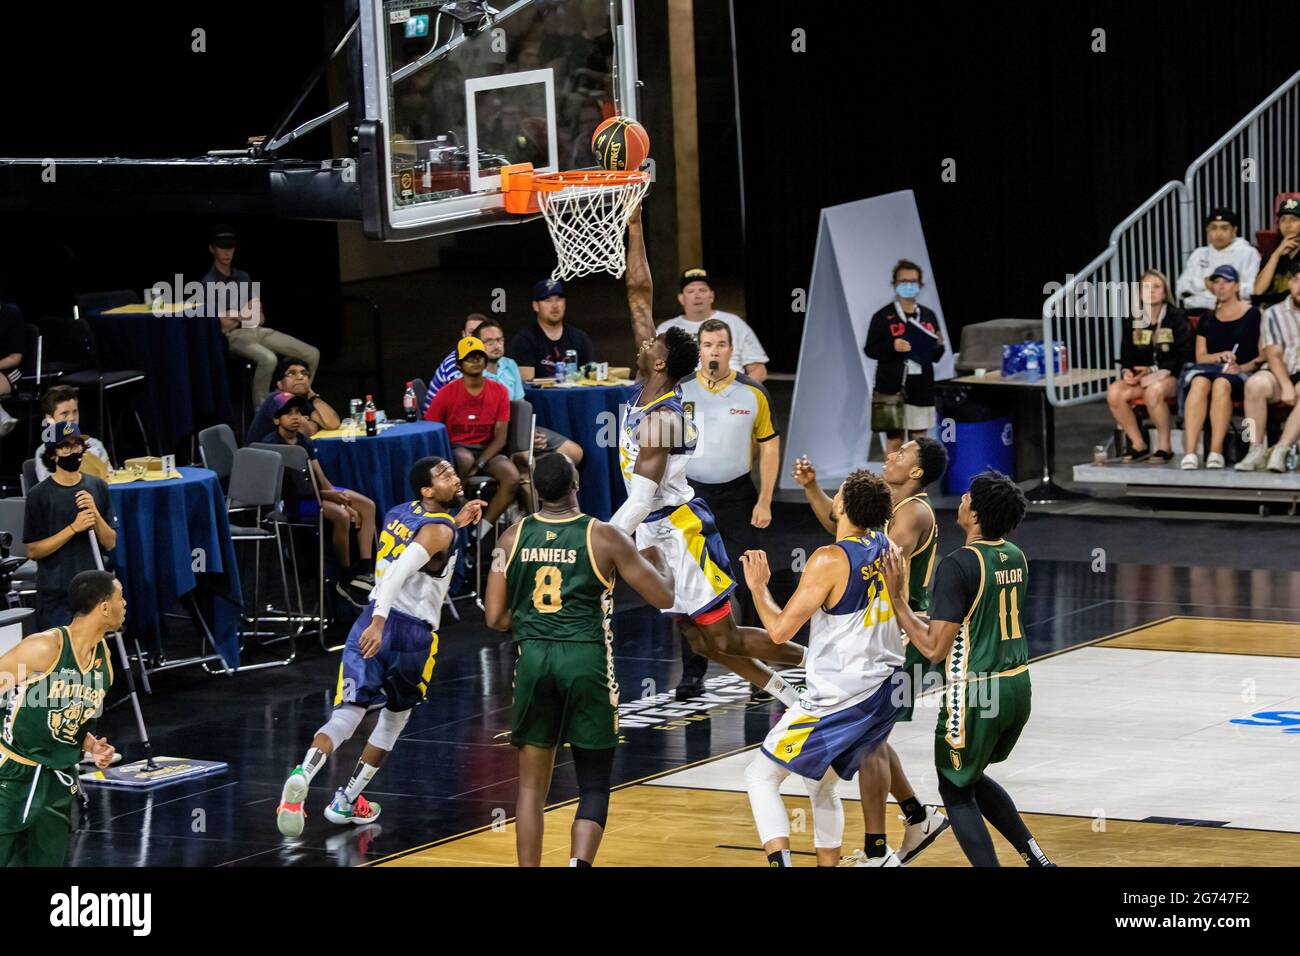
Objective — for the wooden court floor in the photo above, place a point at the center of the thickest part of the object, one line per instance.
(665, 825)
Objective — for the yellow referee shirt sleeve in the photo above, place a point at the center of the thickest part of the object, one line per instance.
(763, 427)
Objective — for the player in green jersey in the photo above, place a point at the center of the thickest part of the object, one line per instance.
(975, 629)
(55, 682)
(552, 587)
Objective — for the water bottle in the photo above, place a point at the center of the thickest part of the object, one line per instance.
(1293, 458)
(372, 426)
(561, 368)
(409, 403)
(571, 365)
(354, 409)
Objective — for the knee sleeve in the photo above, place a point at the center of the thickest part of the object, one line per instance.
(342, 724)
(763, 779)
(387, 728)
(594, 769)
(828, 811)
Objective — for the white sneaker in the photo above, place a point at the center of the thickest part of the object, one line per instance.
(1214, 460)
(918, 836)
(289, 815)
(1191, 462)
(360, 811)
(1254, 459)
(860, 858)
(1277, 459)
(7, 421)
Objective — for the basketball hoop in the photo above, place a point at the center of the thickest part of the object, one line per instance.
(586, 212)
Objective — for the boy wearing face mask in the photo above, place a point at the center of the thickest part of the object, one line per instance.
(900, 368)
(59, 512)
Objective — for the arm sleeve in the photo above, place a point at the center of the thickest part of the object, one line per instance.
(394, 576)
(1189, 281)
(763, 427)
(437, 410)
(752, 349)
(35, 525)
(1128, 356)
(502, 411)
(879, 341)
(640, 495)
(956, 583)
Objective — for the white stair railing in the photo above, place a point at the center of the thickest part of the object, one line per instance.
(1249, 165)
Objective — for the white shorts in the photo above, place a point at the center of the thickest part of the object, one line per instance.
(692, 547)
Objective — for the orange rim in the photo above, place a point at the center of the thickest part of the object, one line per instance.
(520, 184)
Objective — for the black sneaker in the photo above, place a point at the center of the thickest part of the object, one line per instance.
(350, 595)
(363, 581)
(690, 688)
(759, 696)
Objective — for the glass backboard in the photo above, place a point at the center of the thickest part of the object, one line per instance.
(456, 89)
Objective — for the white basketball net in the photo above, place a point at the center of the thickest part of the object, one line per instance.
(587, 225)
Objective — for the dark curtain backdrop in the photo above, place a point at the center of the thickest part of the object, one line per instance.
(90, 79)
(1054, 144)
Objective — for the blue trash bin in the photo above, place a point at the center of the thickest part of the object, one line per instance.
(977, 447)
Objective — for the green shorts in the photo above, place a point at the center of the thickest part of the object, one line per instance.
(35, 833)
(979, 725)
(565, 691)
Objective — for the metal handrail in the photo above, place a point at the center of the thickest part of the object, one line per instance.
(1093, 334)
(1270, 136)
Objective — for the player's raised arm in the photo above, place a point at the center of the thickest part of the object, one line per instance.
(805, 475)
(655, 444)
(932, 637)
(825, 567)
(646, 572)
(496, 605)
(640, 286)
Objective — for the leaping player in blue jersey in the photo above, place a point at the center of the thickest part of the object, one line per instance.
(389, 656)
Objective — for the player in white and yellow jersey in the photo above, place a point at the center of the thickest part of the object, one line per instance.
(656, 439)
(389, 656)
(839, 726)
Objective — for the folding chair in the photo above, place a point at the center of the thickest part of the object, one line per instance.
(13, 514)
(28, 479)
(217, 451)
(256, 476)
(300, 481)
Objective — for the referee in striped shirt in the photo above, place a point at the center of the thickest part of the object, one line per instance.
(734, 416)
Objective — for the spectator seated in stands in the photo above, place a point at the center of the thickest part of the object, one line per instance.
(1157, 344)
(231, 295)
(11, 356)
(293, 375)
(1227, 352)
(696, 299)
(1272, 283)
(538, 347)
(1279, 340)
(476, 412)
(342, 508)
(448, 369)
(59, 404)
(1223, 248)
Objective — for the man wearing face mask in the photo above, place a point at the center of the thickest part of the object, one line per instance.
(903, 397)
(59, 512)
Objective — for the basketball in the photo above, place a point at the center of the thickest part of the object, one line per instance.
(620, 143)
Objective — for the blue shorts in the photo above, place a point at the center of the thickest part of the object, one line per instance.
(398, 676)
(808, 745)
(304, 509)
